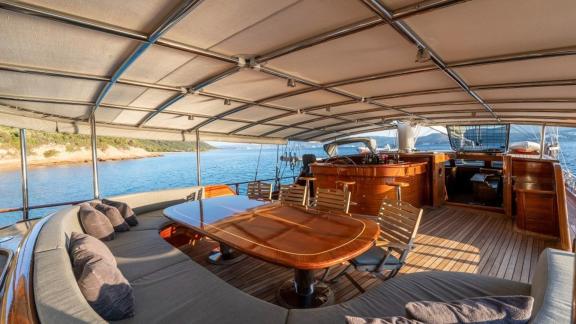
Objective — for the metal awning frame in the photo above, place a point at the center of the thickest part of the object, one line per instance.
(385, 17)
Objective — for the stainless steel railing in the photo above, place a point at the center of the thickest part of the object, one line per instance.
(238, 188)
(569, 180)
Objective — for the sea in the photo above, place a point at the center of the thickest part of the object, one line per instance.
(73, 182)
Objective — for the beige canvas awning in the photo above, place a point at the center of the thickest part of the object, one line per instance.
(272, 70)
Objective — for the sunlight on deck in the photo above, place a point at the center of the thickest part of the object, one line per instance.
(450, 239)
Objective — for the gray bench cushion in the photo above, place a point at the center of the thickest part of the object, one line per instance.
(154, 220)
(188, 293)
(56, 232)
(139, 253)
(389, 298)
(552, 287)
(57, 295)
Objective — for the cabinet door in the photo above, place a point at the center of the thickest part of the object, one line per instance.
(540, 213)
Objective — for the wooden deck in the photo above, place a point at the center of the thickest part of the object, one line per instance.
(450, 239)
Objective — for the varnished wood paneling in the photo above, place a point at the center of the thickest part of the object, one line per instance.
(562, 206)
(370, 183)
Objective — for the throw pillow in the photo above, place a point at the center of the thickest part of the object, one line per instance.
(95, 223)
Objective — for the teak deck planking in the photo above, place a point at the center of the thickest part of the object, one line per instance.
(450, 239)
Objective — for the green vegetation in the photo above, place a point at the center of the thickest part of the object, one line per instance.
(9, 139)
(50, 153)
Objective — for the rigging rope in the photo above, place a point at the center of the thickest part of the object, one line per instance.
(258, 164)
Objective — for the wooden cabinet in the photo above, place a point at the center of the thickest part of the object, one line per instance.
(536, 208)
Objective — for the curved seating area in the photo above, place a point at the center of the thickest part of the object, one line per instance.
(170, 287)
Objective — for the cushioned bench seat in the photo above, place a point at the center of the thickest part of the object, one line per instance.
(168, 285)
(432, 286)
(153, 220)
(139, 253)
(188, 293)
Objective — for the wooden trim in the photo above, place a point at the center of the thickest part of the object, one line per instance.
(565, 243)
(18, 303)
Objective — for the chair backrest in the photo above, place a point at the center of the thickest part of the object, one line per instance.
(332, 200)
(259, 190)
(399, 222)
(293, 195)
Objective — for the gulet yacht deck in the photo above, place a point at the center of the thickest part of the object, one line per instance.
(475, 224)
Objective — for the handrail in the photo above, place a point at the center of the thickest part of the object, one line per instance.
(563, 223)
(18, 209)
(237, 184)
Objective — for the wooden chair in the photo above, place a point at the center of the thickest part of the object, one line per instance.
(331, 200)
(293, 195)
(399, 222)
(260, 190)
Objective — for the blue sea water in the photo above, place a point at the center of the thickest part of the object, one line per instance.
(72, 182)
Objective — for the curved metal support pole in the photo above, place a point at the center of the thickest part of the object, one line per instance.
(198, 173)
(24, 173)
(94, 146)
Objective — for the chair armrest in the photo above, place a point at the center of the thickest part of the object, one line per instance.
(395, 245)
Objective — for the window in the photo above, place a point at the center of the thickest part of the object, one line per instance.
(432, 140)
(59, 169)
(10, 178)
(135, 165)
(479, 138)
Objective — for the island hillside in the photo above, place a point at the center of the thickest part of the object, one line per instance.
(54, 148)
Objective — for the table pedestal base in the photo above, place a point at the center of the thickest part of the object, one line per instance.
(226, 255)
(304, 291)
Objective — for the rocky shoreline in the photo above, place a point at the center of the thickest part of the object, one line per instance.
(47, 155)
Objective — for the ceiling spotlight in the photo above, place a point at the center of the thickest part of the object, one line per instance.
(422, 55)
(190, 117)
(328, 109)
(299, 112)
(356, 121)
(227, 102)
(291, 83)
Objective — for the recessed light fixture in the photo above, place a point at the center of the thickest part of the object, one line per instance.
(291, 83)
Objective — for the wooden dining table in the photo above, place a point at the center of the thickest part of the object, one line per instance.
(302, 239)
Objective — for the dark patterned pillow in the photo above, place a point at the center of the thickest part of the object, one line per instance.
(125, 211)
(84, 248)
(106, 289)
(114, 216)
(95, 223)
(501, 309)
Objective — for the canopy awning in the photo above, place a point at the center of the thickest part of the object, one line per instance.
(268, 71)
